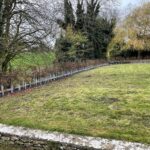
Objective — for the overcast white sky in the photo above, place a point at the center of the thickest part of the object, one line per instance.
(125, 3)
(126, 6)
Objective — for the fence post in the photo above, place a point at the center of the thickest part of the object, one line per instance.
(12, 89)
(30, 84)
(2, 90)
(36, 81)
(54, 77)
(19, 87)
(39, 81)
(25, 86)
(49, 77)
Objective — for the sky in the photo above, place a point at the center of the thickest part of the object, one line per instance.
(125, 3)
(134, 3)
(126, 6)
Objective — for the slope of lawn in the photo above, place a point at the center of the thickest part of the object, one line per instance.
(29, 60)
(109, 102)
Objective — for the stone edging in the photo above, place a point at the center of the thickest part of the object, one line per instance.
(43, 140)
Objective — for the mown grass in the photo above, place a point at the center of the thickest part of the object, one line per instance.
(29, 60)
(110, 102)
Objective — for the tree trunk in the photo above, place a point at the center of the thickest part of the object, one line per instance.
(4, 67)
(5, 63)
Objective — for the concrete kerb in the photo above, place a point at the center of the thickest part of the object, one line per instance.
(38, 139)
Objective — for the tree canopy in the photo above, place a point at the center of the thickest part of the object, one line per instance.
(24, 24)
(133, 34)
(88, 21)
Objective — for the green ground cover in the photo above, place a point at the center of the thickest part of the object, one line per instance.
(29, 60)
(7, 146)
(109, 102)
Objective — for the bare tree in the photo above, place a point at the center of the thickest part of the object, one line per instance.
(24, 24)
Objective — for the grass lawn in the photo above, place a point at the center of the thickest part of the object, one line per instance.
(7, 146)
(29, 60)
(109, 102)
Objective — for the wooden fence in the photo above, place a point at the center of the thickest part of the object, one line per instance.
(44, 80)
(59, 75)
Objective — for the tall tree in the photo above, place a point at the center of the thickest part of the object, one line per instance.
(93, 7)
(69, 15)
(69, 18)
(91, 25)
(80, 22)
(99, 30)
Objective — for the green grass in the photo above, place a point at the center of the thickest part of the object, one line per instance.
(7, 146)
(29, 60)
(109, 102)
